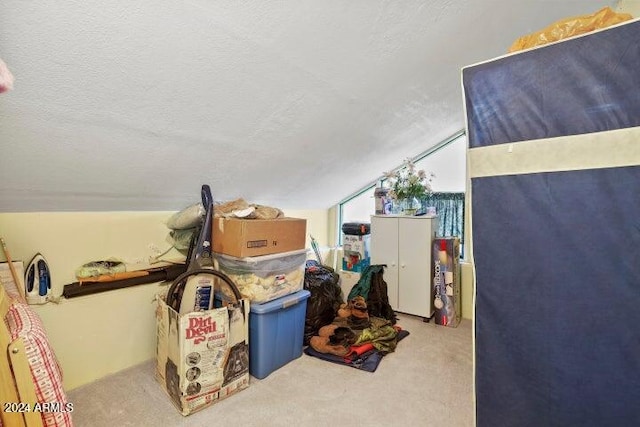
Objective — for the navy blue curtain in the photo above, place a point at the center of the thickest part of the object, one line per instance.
(557, 253)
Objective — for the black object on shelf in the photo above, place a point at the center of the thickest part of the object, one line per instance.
(356, 228)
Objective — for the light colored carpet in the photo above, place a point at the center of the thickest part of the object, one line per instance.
(427, 381)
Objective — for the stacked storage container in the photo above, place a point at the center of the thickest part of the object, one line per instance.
(356, 254)
(356, 243)
(266, 260)
(267, 277)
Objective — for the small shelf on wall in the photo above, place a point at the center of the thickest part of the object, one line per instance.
(159, 274)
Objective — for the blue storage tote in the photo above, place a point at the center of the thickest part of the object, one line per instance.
(276, 332)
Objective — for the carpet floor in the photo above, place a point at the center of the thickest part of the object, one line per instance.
(427, 381)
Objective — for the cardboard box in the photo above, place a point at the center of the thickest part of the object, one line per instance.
(202, 357)
(356, 253)
(254, 237)
(446, 281)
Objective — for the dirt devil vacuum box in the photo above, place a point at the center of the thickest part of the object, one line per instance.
(446, 281)
(255, 237)
(202, 357)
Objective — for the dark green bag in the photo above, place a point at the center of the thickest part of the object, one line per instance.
(373, 289)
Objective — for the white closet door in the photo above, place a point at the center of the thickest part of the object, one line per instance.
(414, 296)
(384, 250)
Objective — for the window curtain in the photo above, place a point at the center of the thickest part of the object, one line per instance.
(450, 211)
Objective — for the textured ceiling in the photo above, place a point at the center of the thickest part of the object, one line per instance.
(121, 105)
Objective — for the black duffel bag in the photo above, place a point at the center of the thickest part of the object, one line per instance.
(325, 299)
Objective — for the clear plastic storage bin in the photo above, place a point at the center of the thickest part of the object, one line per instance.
(265, 278)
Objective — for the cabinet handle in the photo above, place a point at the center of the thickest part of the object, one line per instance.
(393, 264)
(402, 265)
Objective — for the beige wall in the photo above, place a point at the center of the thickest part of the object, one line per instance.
(628, 6)
(100, 334)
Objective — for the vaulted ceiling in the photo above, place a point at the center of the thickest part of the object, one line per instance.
(121, 105)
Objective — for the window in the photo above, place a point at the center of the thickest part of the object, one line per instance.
(450, 210)
(447, 161)
(359, 208)
(449, 164)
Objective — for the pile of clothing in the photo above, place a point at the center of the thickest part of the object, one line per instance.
(358, 333)
(353, 331)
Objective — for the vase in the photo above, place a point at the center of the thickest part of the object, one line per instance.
(410, 206)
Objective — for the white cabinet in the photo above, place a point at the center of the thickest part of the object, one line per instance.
(404, 243)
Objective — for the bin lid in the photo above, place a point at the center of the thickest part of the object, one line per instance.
(281, 303)
(258, 259)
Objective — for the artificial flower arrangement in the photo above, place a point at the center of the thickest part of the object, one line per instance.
(408, 183)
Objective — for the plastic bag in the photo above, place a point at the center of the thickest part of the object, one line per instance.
(325, 298)
(181, 239)
(240, 208)
(99, 268)
(570, 27)
(188, 217)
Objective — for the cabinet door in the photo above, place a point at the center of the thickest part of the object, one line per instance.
(414, 259)
(384, 250)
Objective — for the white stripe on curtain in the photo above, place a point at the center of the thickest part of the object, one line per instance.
(615, 148)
